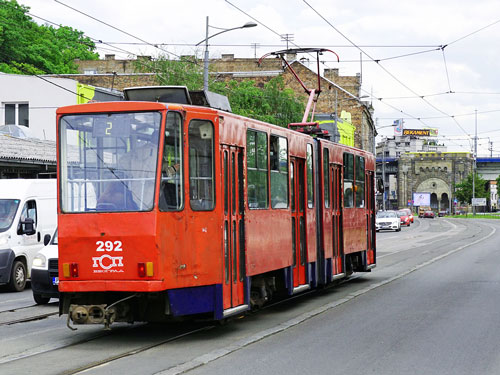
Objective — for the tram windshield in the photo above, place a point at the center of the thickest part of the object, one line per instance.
(108, 161)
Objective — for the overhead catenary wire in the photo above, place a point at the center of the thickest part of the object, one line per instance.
(382, 67)
(118, 29)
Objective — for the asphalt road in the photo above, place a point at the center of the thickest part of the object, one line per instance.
(430, 307)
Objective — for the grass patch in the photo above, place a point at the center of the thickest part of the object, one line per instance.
(477, 216)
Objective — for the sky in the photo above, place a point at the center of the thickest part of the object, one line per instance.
(432, 64)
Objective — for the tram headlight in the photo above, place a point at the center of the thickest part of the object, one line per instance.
(40, 261)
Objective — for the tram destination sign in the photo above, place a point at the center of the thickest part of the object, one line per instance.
(420, 132)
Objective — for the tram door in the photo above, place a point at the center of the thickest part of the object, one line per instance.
(338, 253)
(233, 230)
(297, 182)
(370, 215)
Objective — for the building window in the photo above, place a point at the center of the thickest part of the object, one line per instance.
(17, 114)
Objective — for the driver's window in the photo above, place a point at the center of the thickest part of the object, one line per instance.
(29, 211)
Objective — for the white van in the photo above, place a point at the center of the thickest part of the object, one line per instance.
(28, 212)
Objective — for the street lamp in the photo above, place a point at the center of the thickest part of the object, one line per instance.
(205, 65)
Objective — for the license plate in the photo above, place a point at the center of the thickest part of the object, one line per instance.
(55, 281)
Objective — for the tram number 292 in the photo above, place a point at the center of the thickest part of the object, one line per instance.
(109, 246)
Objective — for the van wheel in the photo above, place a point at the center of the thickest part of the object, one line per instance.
(17, 277)
(40, 300)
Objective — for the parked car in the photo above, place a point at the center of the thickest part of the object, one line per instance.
(429, 214)
(387, 220)
(410, 214)
(403, 216)
(45, 273)
(442, 213)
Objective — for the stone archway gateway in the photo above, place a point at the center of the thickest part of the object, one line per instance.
(437, 187)
(432, 172)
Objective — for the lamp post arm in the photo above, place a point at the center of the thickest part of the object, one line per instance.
(220, 32)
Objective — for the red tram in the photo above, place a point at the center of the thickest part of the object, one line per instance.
(169, 210)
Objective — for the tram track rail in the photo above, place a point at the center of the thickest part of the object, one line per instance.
(27, 319)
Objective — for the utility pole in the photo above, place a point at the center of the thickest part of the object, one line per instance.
(474, 167)
(383, 176)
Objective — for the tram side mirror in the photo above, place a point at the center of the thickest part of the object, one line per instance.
(46, 239)
(380, 185)
(28, 226)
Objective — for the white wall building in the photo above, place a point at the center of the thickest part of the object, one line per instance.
(32, 101)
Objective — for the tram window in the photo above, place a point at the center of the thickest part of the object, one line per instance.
(171, 190)
(326, 177)
(360, 182)
(279, 172)
(201, 165)
(257, 172)
(225, 183)
(348, 180)
(310, 183)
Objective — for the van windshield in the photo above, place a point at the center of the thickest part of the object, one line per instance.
(8, 209)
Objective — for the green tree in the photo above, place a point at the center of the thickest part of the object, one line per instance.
(187, 71)
(29, 48)
(464, 189)
(273, 103)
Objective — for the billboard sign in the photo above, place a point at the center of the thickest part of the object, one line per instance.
(421, 199)
(479, 201)
(418, 132)
(398, 127)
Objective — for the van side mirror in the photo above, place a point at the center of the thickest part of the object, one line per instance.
(28, 226)
(46, 240)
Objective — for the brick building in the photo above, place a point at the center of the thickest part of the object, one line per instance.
(339, 93)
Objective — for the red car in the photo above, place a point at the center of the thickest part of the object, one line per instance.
(405, 219)
(429, 214)
(410, 214)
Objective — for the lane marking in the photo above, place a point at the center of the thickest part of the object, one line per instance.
(240, 344)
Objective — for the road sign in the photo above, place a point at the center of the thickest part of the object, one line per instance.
(479, 201)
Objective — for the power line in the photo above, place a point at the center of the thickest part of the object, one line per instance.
(116, 28)
(276, 33)
(446, 69)
(472, 33)
(382, 67)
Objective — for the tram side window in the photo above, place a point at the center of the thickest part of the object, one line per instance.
(172, 191)
(326, 177)
(360, 182)
(279, 172)
(201, 165)
(257, 172)
(348, 180)
(310, 183)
